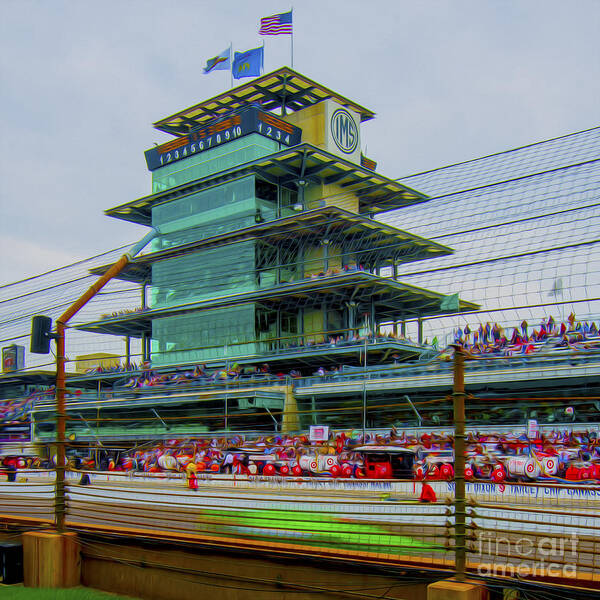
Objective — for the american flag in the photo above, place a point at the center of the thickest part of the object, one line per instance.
(276, 24)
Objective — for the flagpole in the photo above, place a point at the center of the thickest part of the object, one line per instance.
(292, 37)
(231, 64)
(263, 57)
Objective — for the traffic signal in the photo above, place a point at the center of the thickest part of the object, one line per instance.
(40, 334)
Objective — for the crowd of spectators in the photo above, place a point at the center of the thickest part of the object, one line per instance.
(202, 375)
(494, 339)
(561, 454)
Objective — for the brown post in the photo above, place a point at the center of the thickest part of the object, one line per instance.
(59, 497)
(459, 463)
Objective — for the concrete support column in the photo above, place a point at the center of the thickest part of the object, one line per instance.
(143, 347)
(291, 419)
(146, 347)
(325, 244)
(51, 560)
(372, 319)
(279, 343)
(127, 352)
(145, 342)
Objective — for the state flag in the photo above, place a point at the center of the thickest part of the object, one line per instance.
(248, 64)
(221, 62)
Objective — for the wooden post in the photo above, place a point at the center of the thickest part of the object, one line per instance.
(459, 463)
(59, 496)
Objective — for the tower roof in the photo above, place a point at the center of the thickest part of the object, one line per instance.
(282, 91)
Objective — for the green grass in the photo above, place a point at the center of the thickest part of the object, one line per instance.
(13, 592)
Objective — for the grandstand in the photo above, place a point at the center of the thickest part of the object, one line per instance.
(523, 226)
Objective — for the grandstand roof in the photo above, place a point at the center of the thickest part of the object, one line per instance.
(30, 377)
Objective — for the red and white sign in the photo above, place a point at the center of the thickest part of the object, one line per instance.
(319, 433)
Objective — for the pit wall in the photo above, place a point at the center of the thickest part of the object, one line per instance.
(170, 573)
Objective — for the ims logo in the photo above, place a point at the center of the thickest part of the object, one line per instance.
(344, 131)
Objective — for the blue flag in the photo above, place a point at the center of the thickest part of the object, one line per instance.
(248, 64)
(221, 62)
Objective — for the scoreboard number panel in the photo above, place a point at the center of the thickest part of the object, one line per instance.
(227, 129)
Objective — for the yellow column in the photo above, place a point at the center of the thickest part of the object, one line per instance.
(291, 419)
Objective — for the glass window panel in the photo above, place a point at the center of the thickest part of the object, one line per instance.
(209, 273)
(213, 211)
(212, 161)
(204, 335)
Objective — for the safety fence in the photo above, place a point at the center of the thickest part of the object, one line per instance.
(548, 533)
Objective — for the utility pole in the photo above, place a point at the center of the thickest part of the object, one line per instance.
(41, 345)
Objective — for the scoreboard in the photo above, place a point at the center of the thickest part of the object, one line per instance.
(216, 133)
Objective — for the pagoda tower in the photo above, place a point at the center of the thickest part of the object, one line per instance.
(268, 252)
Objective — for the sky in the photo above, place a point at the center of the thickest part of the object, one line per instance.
(82, 82)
